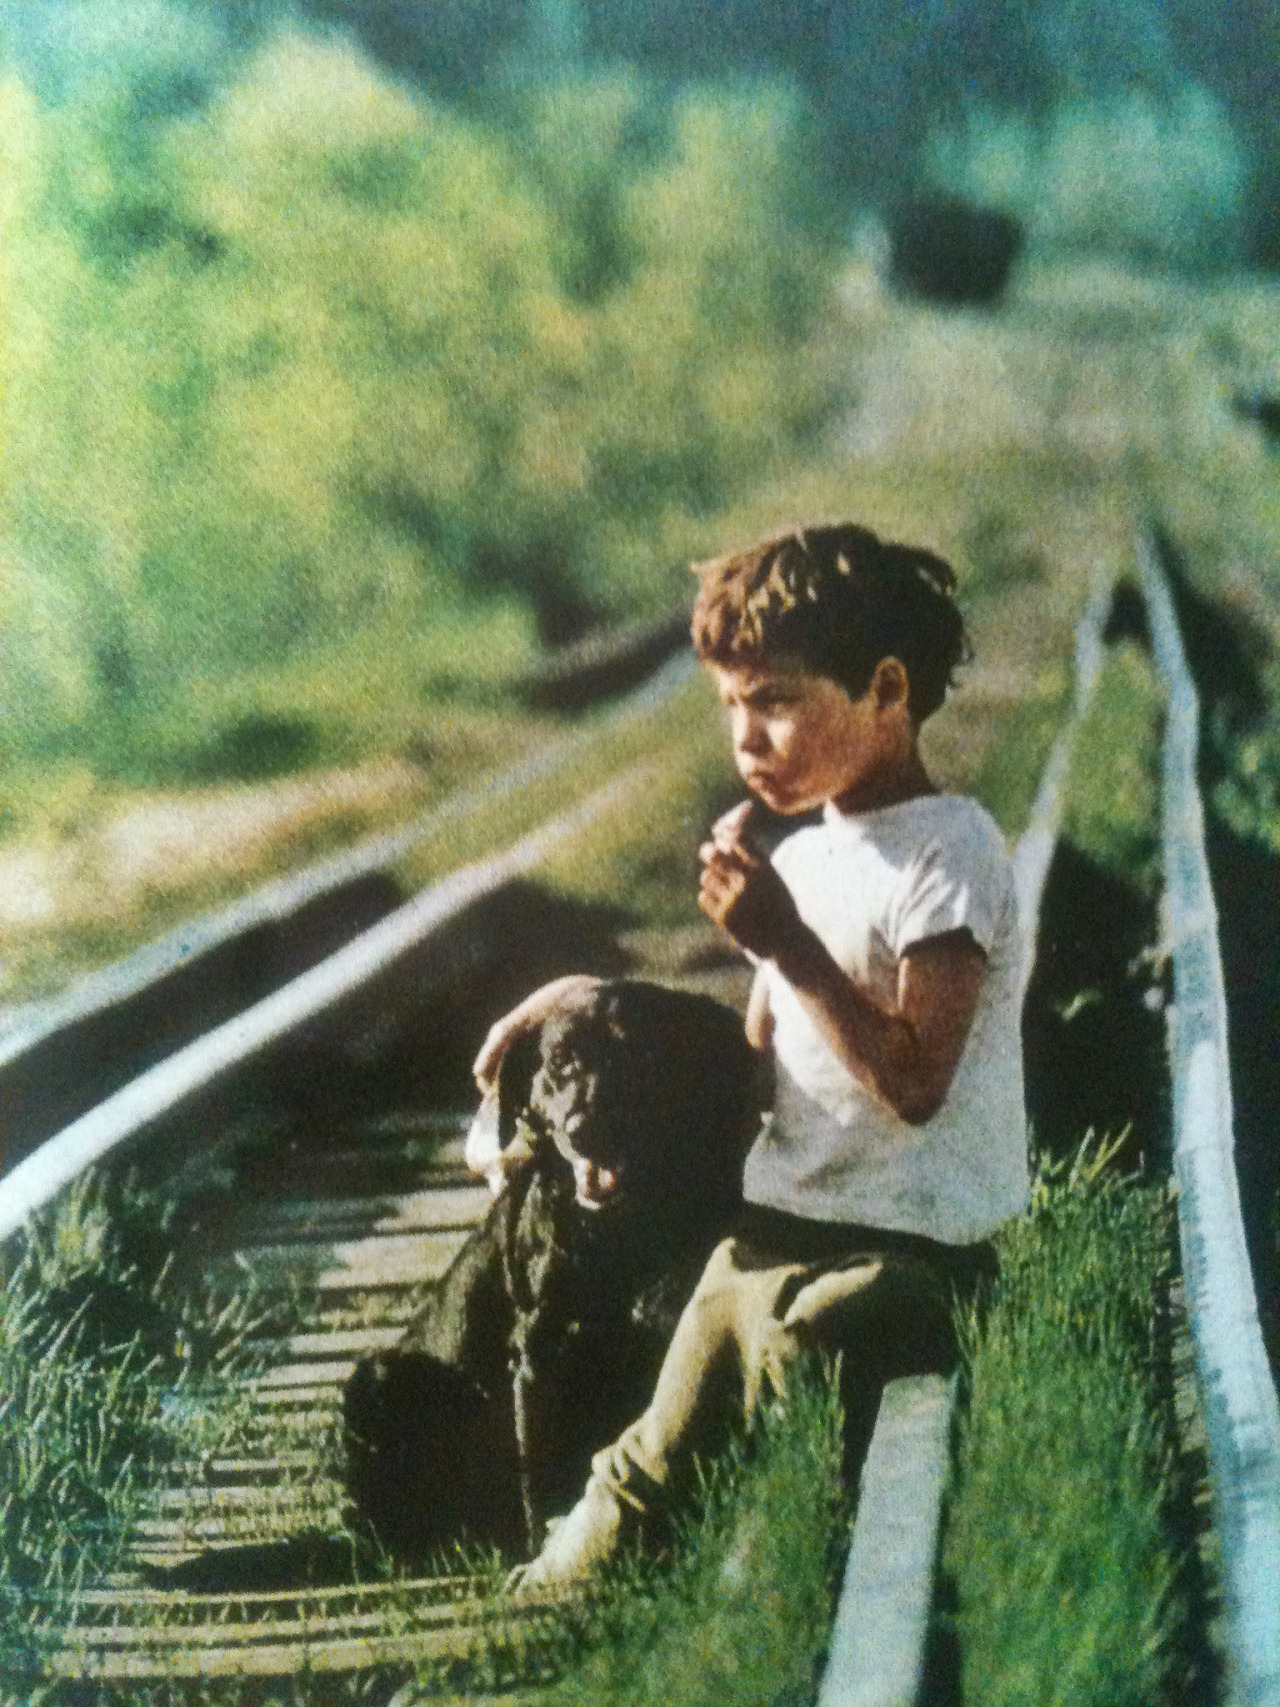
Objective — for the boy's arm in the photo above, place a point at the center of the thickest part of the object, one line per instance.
(521, 1020)
(907, 1055)
(759, 1020)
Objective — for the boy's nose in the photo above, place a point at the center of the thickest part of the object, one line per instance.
(749, 733)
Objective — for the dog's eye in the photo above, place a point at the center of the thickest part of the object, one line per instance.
(562, 1061)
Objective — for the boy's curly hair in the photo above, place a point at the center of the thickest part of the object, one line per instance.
(836, 600)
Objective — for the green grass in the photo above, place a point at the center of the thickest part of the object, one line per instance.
(1062, 1545)
(738, 1613)
(1067, 1552)
(112, 1372)
(1113, 790)
(744, 1616)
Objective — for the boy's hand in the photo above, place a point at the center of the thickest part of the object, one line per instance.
(521, 1020)
(741, 892)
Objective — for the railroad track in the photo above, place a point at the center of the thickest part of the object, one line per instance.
(366, 1260)
(365, 1256)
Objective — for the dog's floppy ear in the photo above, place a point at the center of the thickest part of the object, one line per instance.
(515, 1077)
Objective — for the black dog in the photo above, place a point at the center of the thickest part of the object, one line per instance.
(544, 1337)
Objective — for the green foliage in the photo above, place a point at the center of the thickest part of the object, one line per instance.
(1160, 181)
(108, 1373)
(319, 357)
(742, 1613)
(1066, 1574)
(1247, 797)
(1113, 810)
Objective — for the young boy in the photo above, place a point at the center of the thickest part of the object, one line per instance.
(887, 991)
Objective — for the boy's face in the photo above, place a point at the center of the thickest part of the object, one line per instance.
(800, 740)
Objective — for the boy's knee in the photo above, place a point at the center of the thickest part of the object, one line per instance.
(838, 1292)
(720, 1266)
(717, 1282)
(887, 1317)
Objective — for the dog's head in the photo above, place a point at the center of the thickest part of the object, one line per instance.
(643, 1093)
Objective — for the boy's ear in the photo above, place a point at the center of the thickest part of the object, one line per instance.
(890, 684)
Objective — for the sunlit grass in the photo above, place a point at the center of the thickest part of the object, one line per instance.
(1113, 810)
(111, 1373)
(1067, 1550)
(738, 1611)
(743, 1615)
(1068, 1571)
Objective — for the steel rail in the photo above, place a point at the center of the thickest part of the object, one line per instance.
(880, 1636)
(1242, 1413)
(37, 1180)
(31, 1023)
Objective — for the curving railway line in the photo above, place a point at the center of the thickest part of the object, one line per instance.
(354, 1207)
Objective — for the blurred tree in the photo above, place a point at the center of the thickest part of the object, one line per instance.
(1235, 49)
(324, 358)
(451, 46)
(882, 74)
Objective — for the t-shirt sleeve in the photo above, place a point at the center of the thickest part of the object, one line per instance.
(960, 880)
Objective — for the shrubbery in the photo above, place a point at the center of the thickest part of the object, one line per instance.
(1159, 181)
(317, 358)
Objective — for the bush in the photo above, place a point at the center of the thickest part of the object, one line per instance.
(317, 357)
(1158, 182)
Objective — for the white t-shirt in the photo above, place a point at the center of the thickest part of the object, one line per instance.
(869, 886)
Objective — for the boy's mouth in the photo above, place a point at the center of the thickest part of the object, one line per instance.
(771, 789)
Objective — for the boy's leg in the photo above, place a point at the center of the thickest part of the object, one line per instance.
(886, 1313)
(728, 1342)
(729, 1339)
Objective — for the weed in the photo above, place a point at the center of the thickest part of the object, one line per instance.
(740, 1610)
(1069, 1578)
(111, 1376)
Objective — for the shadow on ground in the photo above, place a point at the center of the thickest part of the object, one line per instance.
(1093, 1025)
(81, 1063)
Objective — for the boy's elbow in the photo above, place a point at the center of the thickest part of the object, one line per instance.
(918, 1100)
(914, 1107)
(922, 1083)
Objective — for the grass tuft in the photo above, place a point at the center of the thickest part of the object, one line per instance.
(738, 1613)
(111, 1377)
(1068, 1572)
